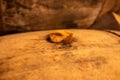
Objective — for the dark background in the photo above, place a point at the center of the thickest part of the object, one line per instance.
(34, 15)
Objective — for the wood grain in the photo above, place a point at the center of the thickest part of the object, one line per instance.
(93, 55)
(32, 15)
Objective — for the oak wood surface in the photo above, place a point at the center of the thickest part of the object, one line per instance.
(93, 55)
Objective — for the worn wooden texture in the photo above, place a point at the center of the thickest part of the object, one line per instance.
(30, 15)
(110, 6)
(93, 55)
(106, 19)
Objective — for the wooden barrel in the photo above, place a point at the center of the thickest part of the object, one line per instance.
(92, 55)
